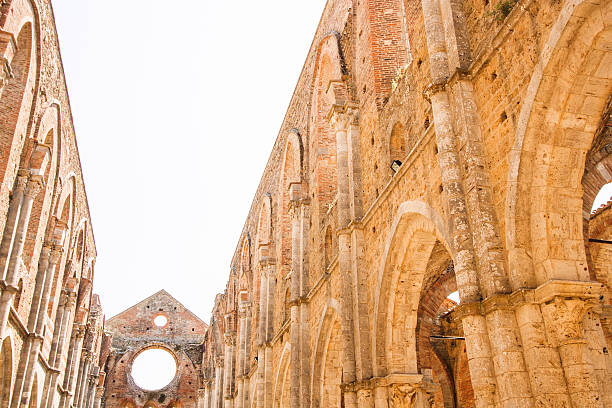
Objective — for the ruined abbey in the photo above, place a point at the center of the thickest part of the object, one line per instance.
(422, 235)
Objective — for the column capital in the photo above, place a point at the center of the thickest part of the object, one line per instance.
(55, 255)
(412, 395)
(22, 180)
(229, 338)
(341, 116)
(244, 309)
(34, 186)
(563, 319)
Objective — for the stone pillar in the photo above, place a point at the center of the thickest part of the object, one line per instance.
(206, 396)
(36, 321)
(265, 356)
(564, 307)
(98, 397)
(261, 331)
(33, 187)
(340, 121)
(91, 388)
(295, 195)
(218, 391)
(66, 303)
(76, 342)
(201, 403)
(230, 355)
(11, 219)
(244, 313)
(82, 391)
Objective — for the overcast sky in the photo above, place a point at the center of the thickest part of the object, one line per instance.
(176, 107)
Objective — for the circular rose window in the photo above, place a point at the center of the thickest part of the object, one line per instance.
(153, 369)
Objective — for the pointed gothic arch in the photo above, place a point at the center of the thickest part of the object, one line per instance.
(562, 108)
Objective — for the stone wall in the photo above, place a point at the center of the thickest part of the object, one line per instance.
(134, 331)
(50, 322)
(337, 293)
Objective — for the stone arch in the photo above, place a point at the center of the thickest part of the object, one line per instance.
(64, 214)
(16, 105)
(44, 161)
(329, 326)
(245, 267)
(6, 372)
(328, 89)
(560, 113)
(289, 189)
(415, 231)
(412, 307)
(281, 379)
(264, 223)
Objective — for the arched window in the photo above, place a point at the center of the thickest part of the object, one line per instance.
(13, 107)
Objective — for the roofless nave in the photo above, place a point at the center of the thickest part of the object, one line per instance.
(430, 147)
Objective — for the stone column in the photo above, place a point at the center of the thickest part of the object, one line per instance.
(200, 398)
(303, 307)
(91, 388)
(295, 195)
(11, 219)
(32, 188)
(84, 380)
(98, 397)
(261, 331)
(76, 342)
(244, 313)
(66, 303)
(340, 121)
(218, 391)
(267, 361)
(36, 321)
(228, 368)
(205, 397)
(564, 307)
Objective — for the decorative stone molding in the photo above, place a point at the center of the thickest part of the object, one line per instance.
(341, 116)
(433, 89)
(55, 254)
(564, 304)
(229, 339)
(469, 309)
(34, 186)
(563, 318)
(22, 181)
(244, 309)
(419, 395)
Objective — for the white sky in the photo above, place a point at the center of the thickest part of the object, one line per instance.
(176, 106)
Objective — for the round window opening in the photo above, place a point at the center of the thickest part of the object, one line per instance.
(153, 369)
(160, 320)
